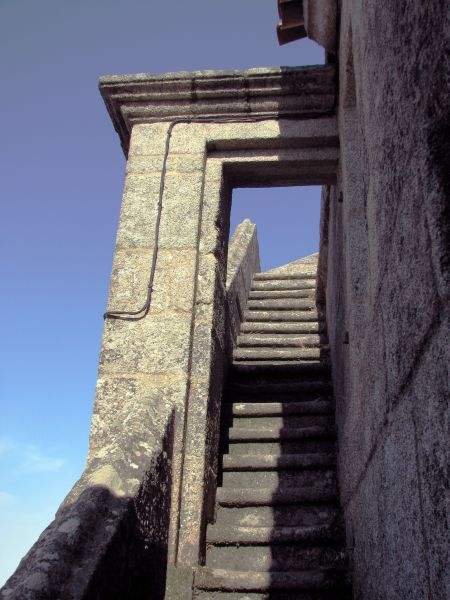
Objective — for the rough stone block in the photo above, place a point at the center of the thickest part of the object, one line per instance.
(387, 538)
(215, 213)
(144, 164)
(214, 167)
(194, 137)
(185, 163)
(366, 400)
(138, 212)
(408, 297)
(179, 582)
(149, 345)
(320, 22)
(174, 284)
(151, 164)
(429, 394)
(180, 218)
(211, 280)
(200, 455)
(208, 349)
(148, 138)
(212, 315)
(128, 424)
(189, 137)
(129, 279)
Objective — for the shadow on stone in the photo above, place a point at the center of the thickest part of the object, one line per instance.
(103, 546)
(305, 505)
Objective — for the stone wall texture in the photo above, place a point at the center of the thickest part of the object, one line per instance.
(385, 238)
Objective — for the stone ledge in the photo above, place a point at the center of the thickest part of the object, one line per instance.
(275, 92)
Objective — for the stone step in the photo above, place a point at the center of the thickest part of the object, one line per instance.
(268, 276)
(282, 304)
(282, 284)
(283, 421)
(281, 448)
(261, 395)
(252, 536)
(307, 327)
(276, 293)
(271, 595)
(287, 393)
(289, 557)
(276, 373)
(267, 462)
(273, 516)
(273, 496)
(282, 340)
(273, 354)
(280, 433)
(280, 373)
(330, 594)
(223, 579)
(279, 479)
(273, 409)
(323, 363)
(273, 316)
(278, 529)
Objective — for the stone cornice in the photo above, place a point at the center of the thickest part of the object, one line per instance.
(281, 91)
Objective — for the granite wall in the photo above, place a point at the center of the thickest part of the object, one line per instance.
(385, 240)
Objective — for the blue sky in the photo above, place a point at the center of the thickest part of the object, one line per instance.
(61, 182)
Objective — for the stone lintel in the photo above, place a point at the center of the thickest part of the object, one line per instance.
(275, 92)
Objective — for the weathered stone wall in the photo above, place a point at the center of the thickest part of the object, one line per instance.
(386, 238)
(103, 545)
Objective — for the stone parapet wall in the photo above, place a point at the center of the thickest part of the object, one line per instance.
(243, 261)
(303, 266)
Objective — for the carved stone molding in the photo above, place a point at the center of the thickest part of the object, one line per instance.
(301, 92)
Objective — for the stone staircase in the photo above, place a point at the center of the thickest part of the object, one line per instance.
(277, 533)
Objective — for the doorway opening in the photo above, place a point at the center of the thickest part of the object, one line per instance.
(287, 221)
(276, 523)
